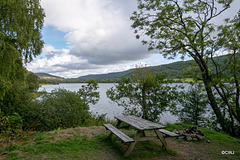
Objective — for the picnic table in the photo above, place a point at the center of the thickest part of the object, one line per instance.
(141, 125)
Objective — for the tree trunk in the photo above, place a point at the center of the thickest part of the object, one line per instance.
(208, 86)
(144, 102)
(220, 118)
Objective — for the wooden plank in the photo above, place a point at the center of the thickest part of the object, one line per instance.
(161, 138)
(148, 138)
(118, 133)
(168, 133)
(117, 126)
(132, 145)
(139, 123)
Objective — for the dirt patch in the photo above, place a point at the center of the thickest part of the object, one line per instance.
(78, 131)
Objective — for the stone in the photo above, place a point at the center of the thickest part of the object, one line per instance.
(193, 135)
(200, 137)
(181, 137)
(200, 133)
(190, 134)
(189, 138)
(181, 132)
(175, 131)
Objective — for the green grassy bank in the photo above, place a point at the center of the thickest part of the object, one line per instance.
(92, 143)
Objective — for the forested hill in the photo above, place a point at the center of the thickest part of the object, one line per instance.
(47, 76)
(174, 70)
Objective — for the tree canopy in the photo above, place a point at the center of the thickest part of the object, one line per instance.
(186, 28)
(20, 39)
(144, 94)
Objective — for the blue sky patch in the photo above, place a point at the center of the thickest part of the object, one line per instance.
(54, 37)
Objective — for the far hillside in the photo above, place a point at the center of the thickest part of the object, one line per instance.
(173, 70)
(45, 78)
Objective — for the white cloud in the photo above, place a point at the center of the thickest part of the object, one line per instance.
(61, 63)
(54, 61)
(100, 37)
(99, 34)
(98, 30)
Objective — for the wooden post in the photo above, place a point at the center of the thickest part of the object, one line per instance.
(132, 145)
(161, 138)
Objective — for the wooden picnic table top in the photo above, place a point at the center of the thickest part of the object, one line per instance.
(139, 123)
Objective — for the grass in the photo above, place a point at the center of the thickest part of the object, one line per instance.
(81, 147)
(73, 148)
(219, 141)
(76, 145)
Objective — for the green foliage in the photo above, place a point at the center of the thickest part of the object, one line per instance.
(144, 94)
(20, 38)
(22, 22)
(88, 92)
(97, 120)
(184, 28)
(16, 98)
(32, 81)
(193, 107)
(10, 126)
(60, 108)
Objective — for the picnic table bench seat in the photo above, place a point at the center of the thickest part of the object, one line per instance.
(168, 133)
(140, 125)
(118, 133)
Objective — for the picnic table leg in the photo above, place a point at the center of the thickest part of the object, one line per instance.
(161, 138)
(132, 145)
(117, 125)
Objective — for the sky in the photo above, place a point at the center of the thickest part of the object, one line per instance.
(83, 37)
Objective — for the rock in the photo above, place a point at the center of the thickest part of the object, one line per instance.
(193, 135)
(194, 129)
(200, 137)
(190, 134)
(194, 139)
(181, 137)
(189, 138)
(181, 132)
(200, 133)
(175, 131)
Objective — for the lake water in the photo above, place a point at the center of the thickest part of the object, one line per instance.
(104, 105)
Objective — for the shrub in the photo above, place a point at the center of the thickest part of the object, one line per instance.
(10, 126)
(194, 106)
(60, 108)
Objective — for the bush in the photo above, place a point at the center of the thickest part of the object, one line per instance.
(10, 126)
(60, 108)
(194, 106)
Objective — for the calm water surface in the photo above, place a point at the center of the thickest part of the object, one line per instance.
(104, 105)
